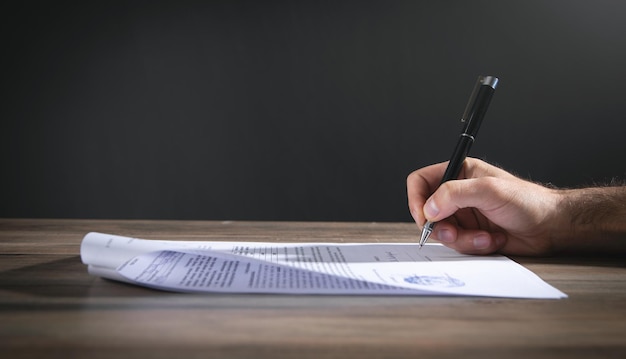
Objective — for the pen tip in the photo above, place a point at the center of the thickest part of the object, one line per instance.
(426, 231)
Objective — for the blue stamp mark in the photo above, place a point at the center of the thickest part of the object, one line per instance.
(434, 281)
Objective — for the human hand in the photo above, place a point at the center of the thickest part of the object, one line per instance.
(487, 210)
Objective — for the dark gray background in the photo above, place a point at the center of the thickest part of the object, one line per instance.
(295, 110)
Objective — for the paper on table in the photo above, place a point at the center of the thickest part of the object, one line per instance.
(308, 268)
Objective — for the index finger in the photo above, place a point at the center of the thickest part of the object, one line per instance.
(420, 185)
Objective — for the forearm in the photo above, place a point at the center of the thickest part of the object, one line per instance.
(593, 220)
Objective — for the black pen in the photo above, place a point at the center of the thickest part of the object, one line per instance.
(472, 117)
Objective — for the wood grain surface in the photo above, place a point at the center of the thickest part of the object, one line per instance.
(50, 307)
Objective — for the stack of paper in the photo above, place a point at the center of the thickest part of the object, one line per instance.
(308, 268)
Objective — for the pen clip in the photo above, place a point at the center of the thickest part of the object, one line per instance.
(490, 81)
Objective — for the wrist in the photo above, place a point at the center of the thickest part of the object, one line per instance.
(591, 220)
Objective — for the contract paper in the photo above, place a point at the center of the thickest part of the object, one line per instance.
(308, 268)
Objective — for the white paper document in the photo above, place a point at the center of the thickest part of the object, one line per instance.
(308, 268)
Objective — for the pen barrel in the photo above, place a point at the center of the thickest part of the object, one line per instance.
(461, 150)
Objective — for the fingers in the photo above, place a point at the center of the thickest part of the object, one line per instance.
(477, 242)
(423, 182)
(420, 185)
(449, 204)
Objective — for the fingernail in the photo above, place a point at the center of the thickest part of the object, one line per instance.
(445, 235)
(482, 241)
(431, 209)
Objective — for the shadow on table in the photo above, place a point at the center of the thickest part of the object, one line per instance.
(61, 278)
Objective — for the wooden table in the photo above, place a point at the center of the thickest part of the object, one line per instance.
(51, 307)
